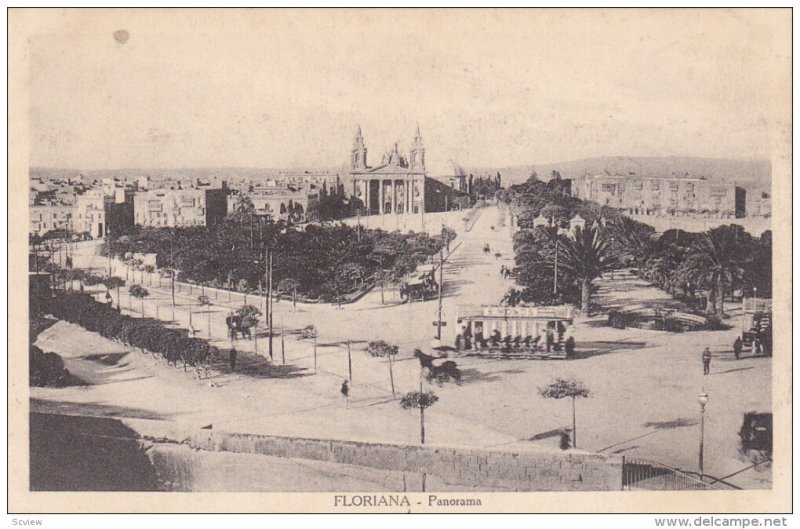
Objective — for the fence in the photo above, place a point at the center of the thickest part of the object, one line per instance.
(472, 216)
(649, 475)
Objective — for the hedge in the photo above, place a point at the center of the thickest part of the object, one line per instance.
(172, 344)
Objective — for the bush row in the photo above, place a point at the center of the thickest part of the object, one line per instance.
(173, 345)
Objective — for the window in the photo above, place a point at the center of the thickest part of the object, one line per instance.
(608, 188)
(154, 205)
(654, 186)
(673, 186)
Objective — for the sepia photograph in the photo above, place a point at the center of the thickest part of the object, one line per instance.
(395, 260)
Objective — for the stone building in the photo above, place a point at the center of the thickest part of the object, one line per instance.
(90, 213)
(663, 195)
(48, 217)
(179, 207)
(400, 184)
(286, 204)
(397, 185)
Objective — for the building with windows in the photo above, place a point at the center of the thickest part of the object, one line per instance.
(286, 204)
(400, 184)
(179, 207)
(48, 217)
(663, 195)
(397, 185)
(90, 213)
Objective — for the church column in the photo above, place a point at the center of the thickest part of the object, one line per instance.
(394, 196)
(405, 195)
(363, 185)
(380, 196)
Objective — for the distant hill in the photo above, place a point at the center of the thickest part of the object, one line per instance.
(754, 173)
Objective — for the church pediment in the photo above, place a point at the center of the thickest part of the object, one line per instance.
(387, 170)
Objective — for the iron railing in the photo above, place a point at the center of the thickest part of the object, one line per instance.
(650, 475)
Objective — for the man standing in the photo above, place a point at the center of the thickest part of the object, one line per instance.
(346, 394)
(706, 361)
(232, 357)
(737, 347)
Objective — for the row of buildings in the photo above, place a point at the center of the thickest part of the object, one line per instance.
(399, 184)
(96, 213)
(677, 195)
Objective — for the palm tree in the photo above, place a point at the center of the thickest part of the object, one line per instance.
(561, 388)
(633, 238)
(717, 260)
(586, 256)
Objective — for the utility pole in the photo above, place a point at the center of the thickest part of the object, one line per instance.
(283, 349)
(349, 362)
(269, 298)
(441, 281)
(555, 270)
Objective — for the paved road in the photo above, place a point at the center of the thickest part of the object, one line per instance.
(643, 383)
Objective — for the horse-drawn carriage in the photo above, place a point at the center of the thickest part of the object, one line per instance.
(241, 322)
(421, 288)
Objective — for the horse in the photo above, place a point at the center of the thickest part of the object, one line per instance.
(439, 373)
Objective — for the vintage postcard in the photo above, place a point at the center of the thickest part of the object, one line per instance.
(400, 260)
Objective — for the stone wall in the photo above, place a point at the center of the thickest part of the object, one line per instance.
(499, 470)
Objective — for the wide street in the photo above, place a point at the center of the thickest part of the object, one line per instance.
(643, 384)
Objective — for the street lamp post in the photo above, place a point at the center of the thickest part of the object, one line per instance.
(702, 399)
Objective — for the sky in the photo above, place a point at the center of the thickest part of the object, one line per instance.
(487, 88)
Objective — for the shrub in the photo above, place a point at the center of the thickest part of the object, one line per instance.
(46, 369)
(172, 344)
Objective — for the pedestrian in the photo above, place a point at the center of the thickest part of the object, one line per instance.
(737, 347)
(346, 394)
(757, 345)
(232, 357)
(706, 361)
(569, 347)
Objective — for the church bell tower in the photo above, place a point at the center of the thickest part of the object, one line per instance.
(358, 161)
(418, 153)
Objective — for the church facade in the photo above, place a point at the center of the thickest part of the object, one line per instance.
(397, 185)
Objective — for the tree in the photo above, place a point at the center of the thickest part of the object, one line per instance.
(310, 332)
(243, 286)
(717, 258)
(150, 269)
(447, 235)
(289, 285)
(381, 349)
(419, 400)
(206, 302)
(561, 388)
(114, 283)
(249, 315)
(140, 293)
(512, 298)
(632, 239)
(586, 257)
